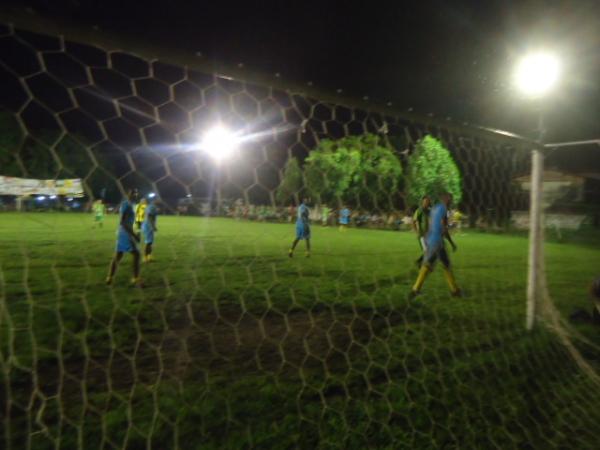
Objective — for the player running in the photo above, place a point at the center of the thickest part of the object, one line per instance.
(344, 218)
(149, 228)
(127, 239)
(99, 210)
(435, 248)
(140, 213)
(302, 228)
(421, 225)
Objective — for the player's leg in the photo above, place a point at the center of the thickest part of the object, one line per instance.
(136, 266)
(419, 261)
(148, 252)
(431, 254)
(293, 247)
(445, 259)
(149, 241)
(307, 247)
(113, 266)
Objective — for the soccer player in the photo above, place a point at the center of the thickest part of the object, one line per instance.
(435, 248)
(421, 225)
(127, 239)
(149, 228)
(302, 228)
(99, 211)
(140, 213)
(344, 218)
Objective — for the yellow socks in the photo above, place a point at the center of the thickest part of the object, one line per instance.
(450, 280)
(423, 272)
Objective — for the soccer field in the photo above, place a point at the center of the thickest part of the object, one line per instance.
(231, 344)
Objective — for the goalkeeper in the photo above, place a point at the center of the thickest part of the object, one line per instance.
(99, 210)
(127, 239)
(421, 225)
(435, 248)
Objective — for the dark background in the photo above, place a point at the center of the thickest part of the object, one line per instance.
(449, 58)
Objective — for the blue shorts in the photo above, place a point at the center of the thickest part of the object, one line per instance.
(344, 221)
(148, 234)
(125, 243)
(436, 249)
(302, 230)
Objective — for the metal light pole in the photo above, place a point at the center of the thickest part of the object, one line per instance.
(536, 75)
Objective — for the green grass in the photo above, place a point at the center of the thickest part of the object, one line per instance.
(230, 344)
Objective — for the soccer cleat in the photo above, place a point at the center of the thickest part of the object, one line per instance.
(136, 282)
(108, 281)
(456, 293)
(291, 253)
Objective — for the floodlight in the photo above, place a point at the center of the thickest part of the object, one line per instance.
(41, 198)
(53, 197)
(219, 143)
(537, 73)
(151, 195)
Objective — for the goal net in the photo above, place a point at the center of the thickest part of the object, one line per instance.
(230, 339)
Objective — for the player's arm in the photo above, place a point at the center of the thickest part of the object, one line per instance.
(152, 219)
(447, 234)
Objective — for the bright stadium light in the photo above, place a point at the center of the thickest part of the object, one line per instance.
(151, 195)
(537, 73)
(219, 143)
(41, 198)
(53, 197)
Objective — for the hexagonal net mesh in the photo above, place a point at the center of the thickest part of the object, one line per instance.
(231, 339)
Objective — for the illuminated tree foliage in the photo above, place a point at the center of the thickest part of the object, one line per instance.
(291, 183)
(361, 171)
(432, 171)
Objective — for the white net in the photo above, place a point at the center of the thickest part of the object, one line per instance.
(230, 343)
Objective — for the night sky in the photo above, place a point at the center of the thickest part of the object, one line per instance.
(449, 58)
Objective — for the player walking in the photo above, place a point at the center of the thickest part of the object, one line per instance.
(302, 228)
(127, 239)
(149, 228)
(435, 248)
(421, 225)
(344, 218)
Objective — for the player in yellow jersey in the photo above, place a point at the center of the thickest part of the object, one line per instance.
(140, 213)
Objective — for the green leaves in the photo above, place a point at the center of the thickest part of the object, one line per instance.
(291, 183)
(432, 171)
(362, 171)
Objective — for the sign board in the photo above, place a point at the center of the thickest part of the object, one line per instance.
(30, 186)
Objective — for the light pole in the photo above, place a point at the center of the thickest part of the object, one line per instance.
(536, 75)
(219, 143)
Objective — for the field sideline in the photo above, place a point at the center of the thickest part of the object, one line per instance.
(231, 344)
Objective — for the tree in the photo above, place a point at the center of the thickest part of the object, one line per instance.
(291, 182)
(362, 171)
(47, 157)
(432, 171)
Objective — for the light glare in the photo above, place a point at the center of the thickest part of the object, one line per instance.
(537, 73)
(219, 143)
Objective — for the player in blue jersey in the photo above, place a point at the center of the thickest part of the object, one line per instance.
(127, 239)
(435, 248)
(344, 218)
(302, 228)
(149, 228)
